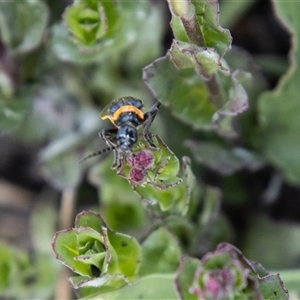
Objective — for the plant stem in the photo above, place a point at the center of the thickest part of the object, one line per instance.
(67, 207)
(215, 91)
(195, 36)
(193, 30)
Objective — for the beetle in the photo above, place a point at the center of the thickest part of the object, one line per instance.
(126, 114)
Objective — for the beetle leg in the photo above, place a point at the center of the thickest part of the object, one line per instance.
(107, 135)
(116, 160)
(149, 117)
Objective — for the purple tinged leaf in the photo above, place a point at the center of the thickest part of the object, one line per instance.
(225, 273)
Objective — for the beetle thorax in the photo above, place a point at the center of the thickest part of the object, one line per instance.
(126, 137)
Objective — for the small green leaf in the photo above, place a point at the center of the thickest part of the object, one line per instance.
(185, 55)
(128, 254)
(161, 253)
(92, 253)
(149, 287)
(166, 198)
(272, 288)
(64, 245)
(168, 166)
(88, 22)
(99, 29)
(98, 286)
(90, 219)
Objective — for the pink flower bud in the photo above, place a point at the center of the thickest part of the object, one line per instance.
(141, 160)
(137, 175)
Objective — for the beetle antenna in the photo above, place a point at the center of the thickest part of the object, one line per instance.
(96, 153)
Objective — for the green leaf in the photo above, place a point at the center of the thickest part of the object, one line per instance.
(90, 22)
(95, 38)
(22, 24)
(166, 198)
(278, 109)
(128, 254)
(182, 90)
(185, 91)
(201, 88)
(236, 102)
(149, 287)
(207, 13)
(185, 277)
(97, 252)
(90, 219)
(272, 288)
(64, 245)
(222, 159)
(98, 286)
(161, 253)
(168, 165)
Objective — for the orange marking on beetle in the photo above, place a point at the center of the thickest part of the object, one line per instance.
(122, 109)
